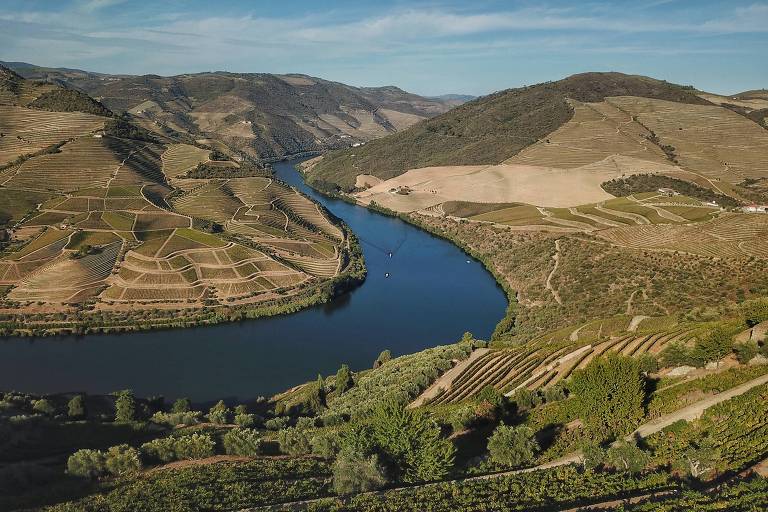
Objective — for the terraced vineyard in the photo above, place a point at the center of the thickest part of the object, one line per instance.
(92, 226)
(550, 359)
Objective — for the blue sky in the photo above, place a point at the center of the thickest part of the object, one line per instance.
(431, 47)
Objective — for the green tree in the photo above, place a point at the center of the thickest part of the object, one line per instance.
(294, 441)
(125, 407)
(385, 356)
(356, 473)
(220, 414)
(87, 464)
(755, 311)
(343, 379)
(194, 446)
(626, 457)
(717, 344)
(76, 407)
(243, 441)
(44, 406)
(181, 405)
(512, 446)
(325, 445)
(412, 443)
(745, 351)
(122, 459)
(316, 398)
(608, 396)
(699, 462)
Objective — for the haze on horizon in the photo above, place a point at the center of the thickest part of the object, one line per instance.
(430, 48)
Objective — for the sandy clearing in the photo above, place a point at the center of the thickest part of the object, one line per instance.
(367, 180)
(400, 120)
(506, 183)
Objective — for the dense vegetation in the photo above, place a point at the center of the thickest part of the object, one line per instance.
(207, 171)
(638, 183)
(69, 100)
(488, 130)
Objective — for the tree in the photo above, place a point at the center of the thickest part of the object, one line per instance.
(194, 446)
(243, 441)
(356, 473)
(122, 459)
(316, 398)
(755, 311)
(44, 406)
(745, 351)
(125, 407)
(294, 441)
(181, 405)
(626, 457)
(608, 396)
(697, 462)
(385, 356)
(343, 379)
(220, 414)
(76, 407)
(86, 464)
(512, 446)
(717, 344)
(411, 443)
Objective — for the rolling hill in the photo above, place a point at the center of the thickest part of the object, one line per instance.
(262, 115)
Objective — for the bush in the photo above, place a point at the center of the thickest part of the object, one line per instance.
(343, 379)
(462, 418)
(384, 357)
(755, 311)
(243, 441)
(173, 419)
(162, 449)
(294, 442)
(76, 407)
(220, 414)
(626, 457)
(354, 473)
(325, 445)
(648, 363)
(512, 446)
(122, 459)
(278, 423)
(248, 420)
(194, 446)
(332, 419)
(43, 406)
(181, 405)
(305, 423)
(745, 351)
(717, 344)
(87, 464)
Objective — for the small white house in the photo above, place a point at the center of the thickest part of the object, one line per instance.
(756, 208)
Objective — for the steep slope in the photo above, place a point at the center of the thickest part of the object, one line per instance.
(491, 129)
(262, 115)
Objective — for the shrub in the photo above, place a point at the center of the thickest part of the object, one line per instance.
(181, 405)
(384, 356)
(76, 407)
(512, 446)
(122, 459)
(343, 379)
(648, 363)
(354, 473)
(305, 423)
(194, 446)
(294, 441)
(173, 419)
(162, 449)
(608, 395)
(717, 344)
(325, 445)
(87, 464)
(462, 418)
(278, 423)
(43, 406)
(626, 457)
(526, 399)
(755, 311)
(745, 351)
(332, 419)
(243, 441)
(248, 420)
(220, 414)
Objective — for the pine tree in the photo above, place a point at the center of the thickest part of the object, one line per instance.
(343, 379)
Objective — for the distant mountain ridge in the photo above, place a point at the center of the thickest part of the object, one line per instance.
(266, 116)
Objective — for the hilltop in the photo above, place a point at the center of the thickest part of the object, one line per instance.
(265, 116)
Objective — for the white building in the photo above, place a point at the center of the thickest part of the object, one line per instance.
(756, 208)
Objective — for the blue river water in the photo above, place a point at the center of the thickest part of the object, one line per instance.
(434, 293)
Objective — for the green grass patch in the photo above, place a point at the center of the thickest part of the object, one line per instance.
(200, 237)
(121, 221)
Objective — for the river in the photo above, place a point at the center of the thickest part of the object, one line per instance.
(434, 293)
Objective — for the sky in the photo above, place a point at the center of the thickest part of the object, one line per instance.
(430, 47)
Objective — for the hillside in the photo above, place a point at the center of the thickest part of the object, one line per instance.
(264, 116)
(105, 217)
(491, 129)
